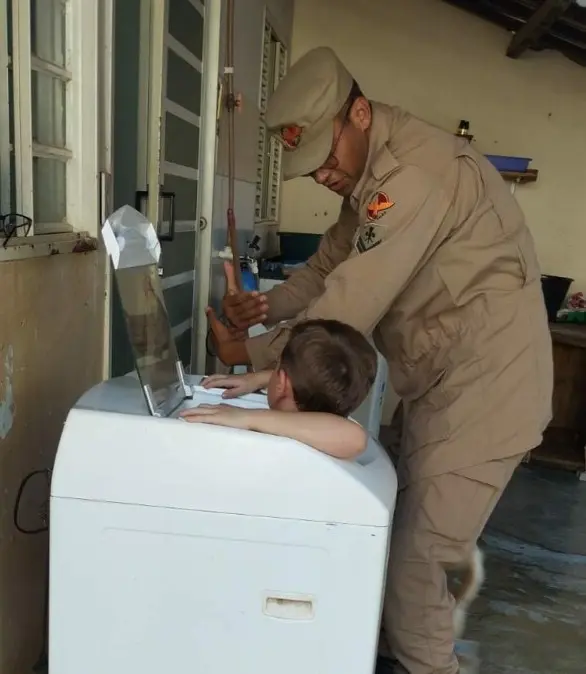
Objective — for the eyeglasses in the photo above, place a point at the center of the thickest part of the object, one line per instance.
(11, 222)
(332, 161)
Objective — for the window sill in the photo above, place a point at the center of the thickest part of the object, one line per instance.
(45, 245)
(266, 223)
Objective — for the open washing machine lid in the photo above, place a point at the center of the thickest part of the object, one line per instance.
(134, 249)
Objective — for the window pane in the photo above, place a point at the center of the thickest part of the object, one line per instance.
(186, 25)
(11, 105)
(181, 141)
(183, 83)
(9, 25)
(48, 109)
(49, 190)
(48, 30)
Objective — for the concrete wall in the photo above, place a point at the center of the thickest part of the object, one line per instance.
(443, 65)
(50, 353)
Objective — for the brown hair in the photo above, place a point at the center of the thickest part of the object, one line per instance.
(353, 96)
(331, 366)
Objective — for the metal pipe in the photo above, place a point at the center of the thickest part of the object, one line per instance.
(157, 63)
(106, 31)
(231, 107)
(203, 263)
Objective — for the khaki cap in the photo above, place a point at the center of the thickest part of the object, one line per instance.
(301, 111)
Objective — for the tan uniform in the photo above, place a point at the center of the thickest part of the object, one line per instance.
(432, 256)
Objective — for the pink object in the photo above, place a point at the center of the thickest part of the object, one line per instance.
(576, 301)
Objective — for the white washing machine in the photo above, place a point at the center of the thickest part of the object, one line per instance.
(180, 547)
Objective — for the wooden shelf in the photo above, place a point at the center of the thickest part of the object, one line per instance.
(529, 176)
(561, 448)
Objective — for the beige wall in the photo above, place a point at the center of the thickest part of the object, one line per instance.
(51, 330)
(444, 65)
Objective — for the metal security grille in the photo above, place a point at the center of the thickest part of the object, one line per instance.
(268, 182)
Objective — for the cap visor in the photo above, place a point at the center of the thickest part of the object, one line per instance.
(309, 156)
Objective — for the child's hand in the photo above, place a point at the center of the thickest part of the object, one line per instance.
(219, 415)
(237, 385)
(229, 344)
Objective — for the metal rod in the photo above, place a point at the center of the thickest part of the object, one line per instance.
(210, 110)
(231, 106)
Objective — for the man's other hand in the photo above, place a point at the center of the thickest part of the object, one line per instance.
(230, 350)
(242, 309)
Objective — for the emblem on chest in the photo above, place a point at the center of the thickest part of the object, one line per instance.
(370, 234)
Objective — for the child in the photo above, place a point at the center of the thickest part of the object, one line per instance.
(326, 370)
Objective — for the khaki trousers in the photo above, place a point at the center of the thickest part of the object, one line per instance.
(438, 521)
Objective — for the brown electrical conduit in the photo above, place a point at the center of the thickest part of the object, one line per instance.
(231, 105)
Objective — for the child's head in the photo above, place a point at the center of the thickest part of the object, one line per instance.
(326, 366)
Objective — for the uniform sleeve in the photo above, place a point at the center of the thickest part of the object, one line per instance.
(292, 297)
(386, 255)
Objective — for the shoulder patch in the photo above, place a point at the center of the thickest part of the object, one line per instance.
(368, 237)
(378, 206)
(291, 136)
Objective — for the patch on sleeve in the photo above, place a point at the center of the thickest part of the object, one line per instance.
(291, 136)
(369, 236)
(379, 205)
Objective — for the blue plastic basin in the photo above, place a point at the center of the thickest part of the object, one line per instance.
(502, 163)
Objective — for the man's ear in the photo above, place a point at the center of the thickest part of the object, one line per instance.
(361, 113)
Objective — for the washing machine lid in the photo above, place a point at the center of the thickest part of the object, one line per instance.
(134, 249)
(153, 462)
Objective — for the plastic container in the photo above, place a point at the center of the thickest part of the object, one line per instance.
(249, 282)
(555, 289)
(298, 247)
(502, 163)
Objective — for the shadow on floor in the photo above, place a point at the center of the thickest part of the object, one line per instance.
(529, 618)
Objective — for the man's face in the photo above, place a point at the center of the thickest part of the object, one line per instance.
(345, 165)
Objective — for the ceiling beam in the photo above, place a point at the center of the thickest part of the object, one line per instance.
(548, 12)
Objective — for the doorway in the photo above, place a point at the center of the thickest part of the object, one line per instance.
(158, 91)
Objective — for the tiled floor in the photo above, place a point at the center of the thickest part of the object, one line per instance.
(531, 614)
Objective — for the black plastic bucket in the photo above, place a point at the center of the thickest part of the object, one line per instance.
(555, 289)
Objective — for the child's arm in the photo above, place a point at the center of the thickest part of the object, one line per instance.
(237, 385)
(333, 435)
(327, 433)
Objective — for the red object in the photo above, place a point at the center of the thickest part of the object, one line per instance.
(378, 206)
(291, 136)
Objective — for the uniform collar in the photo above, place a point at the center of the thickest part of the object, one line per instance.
(380, 131)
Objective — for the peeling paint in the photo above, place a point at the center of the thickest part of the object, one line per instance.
(85, 245)
(7, 406)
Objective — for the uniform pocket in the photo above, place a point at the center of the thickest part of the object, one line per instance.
(426, 418)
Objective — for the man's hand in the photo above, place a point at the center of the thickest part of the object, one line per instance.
(230, 350)
(237, 385)
(242, 309)
(219, 415)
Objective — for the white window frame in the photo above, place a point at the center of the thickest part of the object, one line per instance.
(81, 74)
(5, 191)
(265, 211)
